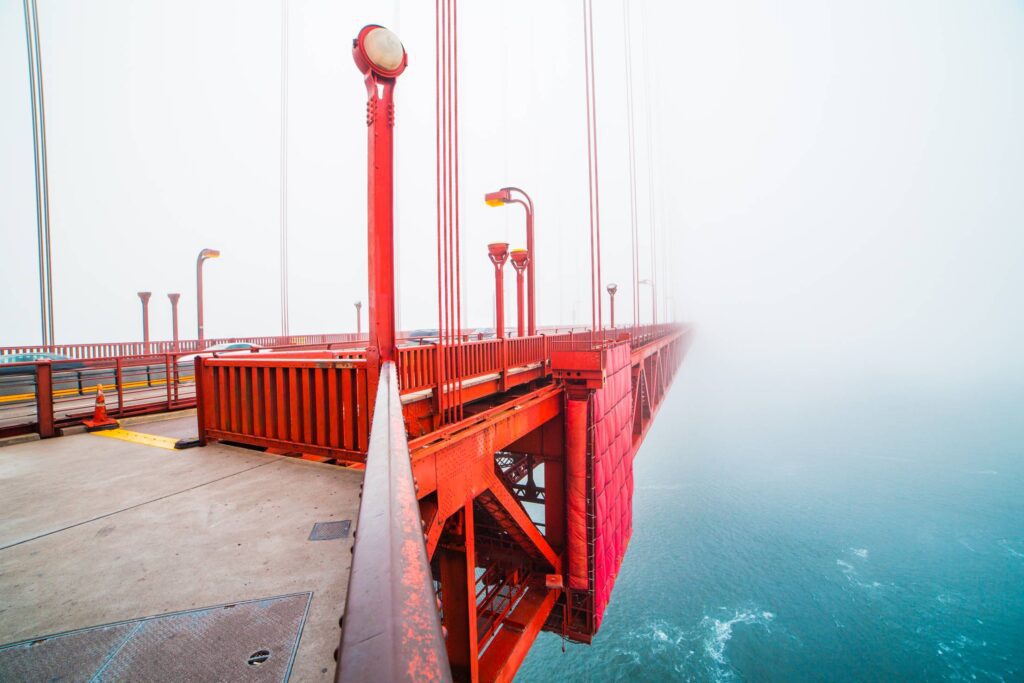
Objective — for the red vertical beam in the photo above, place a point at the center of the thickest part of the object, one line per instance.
(202, 399)
(144, 298)
(458, 599)
(44, 399)
(119, 382)
(174, 317)
(576, 490)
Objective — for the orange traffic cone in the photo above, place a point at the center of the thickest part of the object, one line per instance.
(100, 419)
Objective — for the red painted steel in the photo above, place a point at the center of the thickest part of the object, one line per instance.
(301, 405)
(576, 422)
(391, 629)
(100, 350)
(380, 122)
(612, 288)
(203, 256)
(611, 455)
(498, 254)
(498, 571)
(144, 298)
(505, 196)
(174, 297)
(520, 261)
(44, 399)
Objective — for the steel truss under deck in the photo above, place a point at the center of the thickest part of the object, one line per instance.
(475, 541)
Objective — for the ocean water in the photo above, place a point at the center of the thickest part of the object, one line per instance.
(790, 527)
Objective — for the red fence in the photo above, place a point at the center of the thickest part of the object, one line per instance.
(136, 383)
(138, 348)
(322, 404)
(316, 401)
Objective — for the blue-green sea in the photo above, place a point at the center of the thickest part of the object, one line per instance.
(790, 526)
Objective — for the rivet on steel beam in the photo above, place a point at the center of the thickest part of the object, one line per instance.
(444, 632)
(341, 621)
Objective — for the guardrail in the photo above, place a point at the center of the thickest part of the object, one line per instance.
(391, 629)
(138, 348)
(43, 396)
(318, 401)
(309, 405)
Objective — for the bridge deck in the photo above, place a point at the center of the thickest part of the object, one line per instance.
(97, 530)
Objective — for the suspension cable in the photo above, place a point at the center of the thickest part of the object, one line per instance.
(631, 142)
(449, 276)
(593, 184)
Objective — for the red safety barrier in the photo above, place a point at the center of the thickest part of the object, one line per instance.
(301, 405)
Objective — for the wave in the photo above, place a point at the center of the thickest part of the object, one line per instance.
(719, 632)
(862, 553)
(1006, 543)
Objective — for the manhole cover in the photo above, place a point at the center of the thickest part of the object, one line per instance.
(328, 531)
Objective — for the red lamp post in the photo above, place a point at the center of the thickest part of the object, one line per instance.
(520, 261)
(612, 288)
(380, 56)
(174, 317)
(203, 255)
(498, 253)
(144, 298)
(359, 317)
(505, 196)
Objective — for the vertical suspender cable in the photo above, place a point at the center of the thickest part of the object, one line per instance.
(650, 163)
(590, 156)
(593, 184)
(441, 377)
(455, 173)
(631, 139)
(284, 168)
(42, 186)
(449, 283)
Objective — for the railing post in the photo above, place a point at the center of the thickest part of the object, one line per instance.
(44, 399)
(200, 411)
(119, 384)
(167, 379)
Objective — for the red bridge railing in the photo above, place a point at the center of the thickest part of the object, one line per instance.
(391, 629)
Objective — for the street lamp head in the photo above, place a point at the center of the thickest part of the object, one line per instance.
(378, 51)
(612, 288)
(145, 296)
(520, 259)
(498, 253)
(209, 253)
(174, 296)
(499, 198)
(359, 304)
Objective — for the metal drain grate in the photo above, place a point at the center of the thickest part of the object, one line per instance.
(253, 640)
(329, 531)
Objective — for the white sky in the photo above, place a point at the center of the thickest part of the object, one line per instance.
(837, 179)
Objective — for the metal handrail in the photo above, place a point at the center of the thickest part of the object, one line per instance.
(391, 629)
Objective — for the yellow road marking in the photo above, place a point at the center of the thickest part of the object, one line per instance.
(138, 437)
(92, 390)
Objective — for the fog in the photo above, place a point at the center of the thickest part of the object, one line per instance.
(836, 186)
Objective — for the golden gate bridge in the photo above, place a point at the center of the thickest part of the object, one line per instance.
(488, 478)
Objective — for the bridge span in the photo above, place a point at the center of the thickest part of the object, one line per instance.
(494, 476)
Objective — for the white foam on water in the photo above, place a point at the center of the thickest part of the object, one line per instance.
(847, 567)
(719, 632)
(862, 553)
